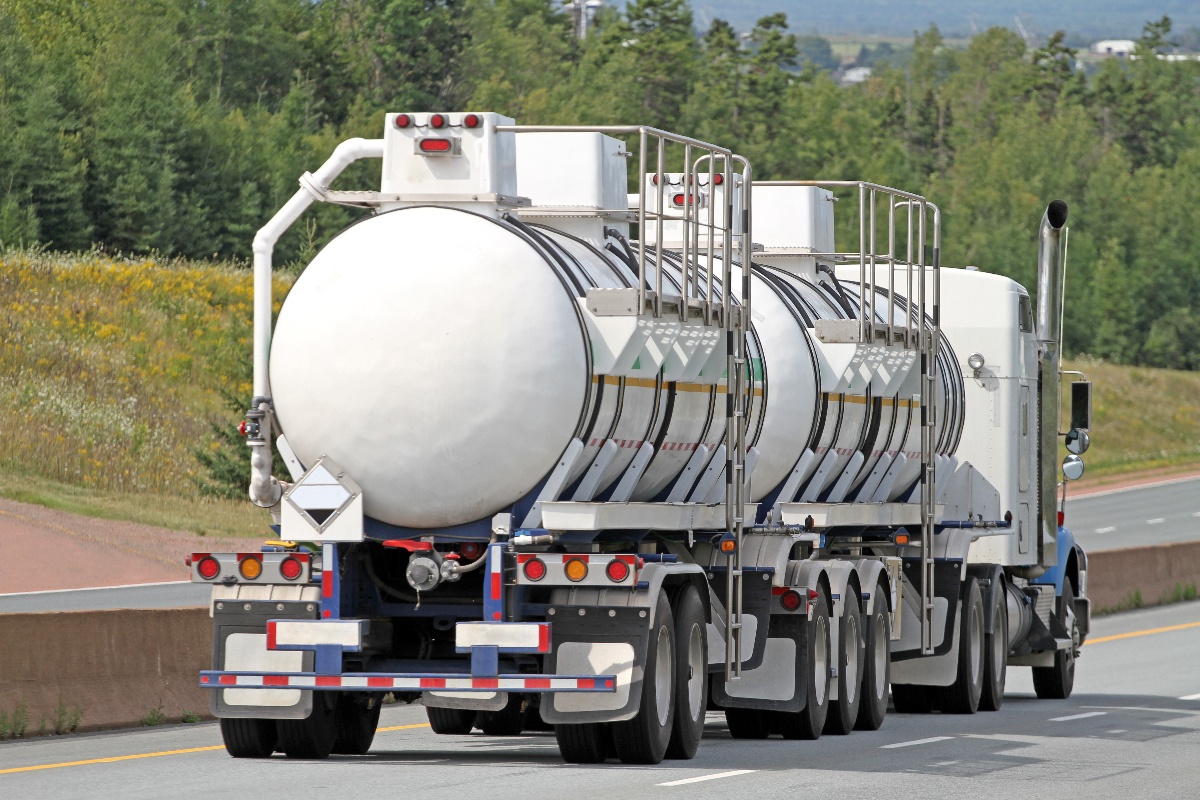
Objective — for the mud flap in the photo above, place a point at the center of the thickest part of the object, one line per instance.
(756, 602)
(780, 680)
(240, 644)
(597, 640)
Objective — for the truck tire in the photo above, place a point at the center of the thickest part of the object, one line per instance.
(810, 721)
(995, 647)
(313, 736)
(877, 663)
(249, 738)
(356, 718)
(508, 721)
(1056, 683)
(587, 743)
(748, 723)
(450, 721)
(962, 696)
(644, 739)
(912, 698)
(843, 712)
(691, 674)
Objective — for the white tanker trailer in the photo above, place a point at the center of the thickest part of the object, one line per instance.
(562, 455)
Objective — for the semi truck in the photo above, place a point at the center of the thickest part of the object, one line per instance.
(586, 429)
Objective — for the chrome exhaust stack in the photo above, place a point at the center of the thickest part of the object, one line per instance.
(1052, 250)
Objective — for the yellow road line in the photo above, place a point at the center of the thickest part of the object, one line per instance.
(1135, 634)
(112, 759)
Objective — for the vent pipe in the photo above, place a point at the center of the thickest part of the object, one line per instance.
(1050, 267)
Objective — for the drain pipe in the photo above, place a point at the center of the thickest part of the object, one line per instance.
(1051, 266)
(265, 490)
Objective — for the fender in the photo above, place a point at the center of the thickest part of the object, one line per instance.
(1066, 566)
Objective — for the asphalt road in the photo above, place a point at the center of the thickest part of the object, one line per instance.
(175, 594)
(1141, 515)
(1132, 729)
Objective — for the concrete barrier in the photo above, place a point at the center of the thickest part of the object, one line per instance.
(117, 667)
(1152, 573)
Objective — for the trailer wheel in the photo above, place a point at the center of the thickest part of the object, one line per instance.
(508, 721)
(450, 721)
(878, 664)
(995, 644)
(644, 739)
(912, 698)
(691, 675)
(1056, 683)
(748, 723)
(962, 696)
(356, 718)
(313, 736)
(843, 712)
(587, 743)
(810, 721)
(249, 738)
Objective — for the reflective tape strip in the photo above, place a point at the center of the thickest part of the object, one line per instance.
(309, 633)
(522, 683)
(530, 636)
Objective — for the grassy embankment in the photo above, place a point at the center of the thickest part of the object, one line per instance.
(110, 372)
(111, 369)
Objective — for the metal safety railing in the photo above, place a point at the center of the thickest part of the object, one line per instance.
(911, 266)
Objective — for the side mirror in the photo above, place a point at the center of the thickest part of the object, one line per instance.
(1081, 407)
(1078, 441)
(1072, 468)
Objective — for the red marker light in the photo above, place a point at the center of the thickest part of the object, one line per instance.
(472, 121)
(437, 121)
(208, 568)
(654, 179)
(436, 145)
(677, 199)
(402, 121)
(535, 569)
(617, 570)
(1061, 517)
(790, 600)
(718, 179)
(290, 568)
(472, 550)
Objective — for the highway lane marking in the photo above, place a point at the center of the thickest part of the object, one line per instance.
(1155, 521)
(1105, 530)
(1080, 716)
(96, 588)
(1133, 634)
(712, 777)
(1104, 493)
(114, 759)
(1191, 697)
(930, 740)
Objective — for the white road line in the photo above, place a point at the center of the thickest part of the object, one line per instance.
(1191, 697)
(1080, 716)
(930, 740)
(1136, 487)
(1196, 513)
(712, 777)
(97, 588)
(1155, 521)
(1105, 530)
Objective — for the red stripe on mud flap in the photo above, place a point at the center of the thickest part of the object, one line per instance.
(433, 683)
(275, 680)
(543, 638)
(271, 635)
(327, 584)
(537, 683)
(380, 683)
(486, 683)
(227, 679)
(329, 680)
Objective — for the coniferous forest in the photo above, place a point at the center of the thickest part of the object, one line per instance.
(179, 126)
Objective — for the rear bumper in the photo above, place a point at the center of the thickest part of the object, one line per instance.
(406, 682)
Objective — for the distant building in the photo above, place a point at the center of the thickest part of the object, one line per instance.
(855, 75)
(1119, 48)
